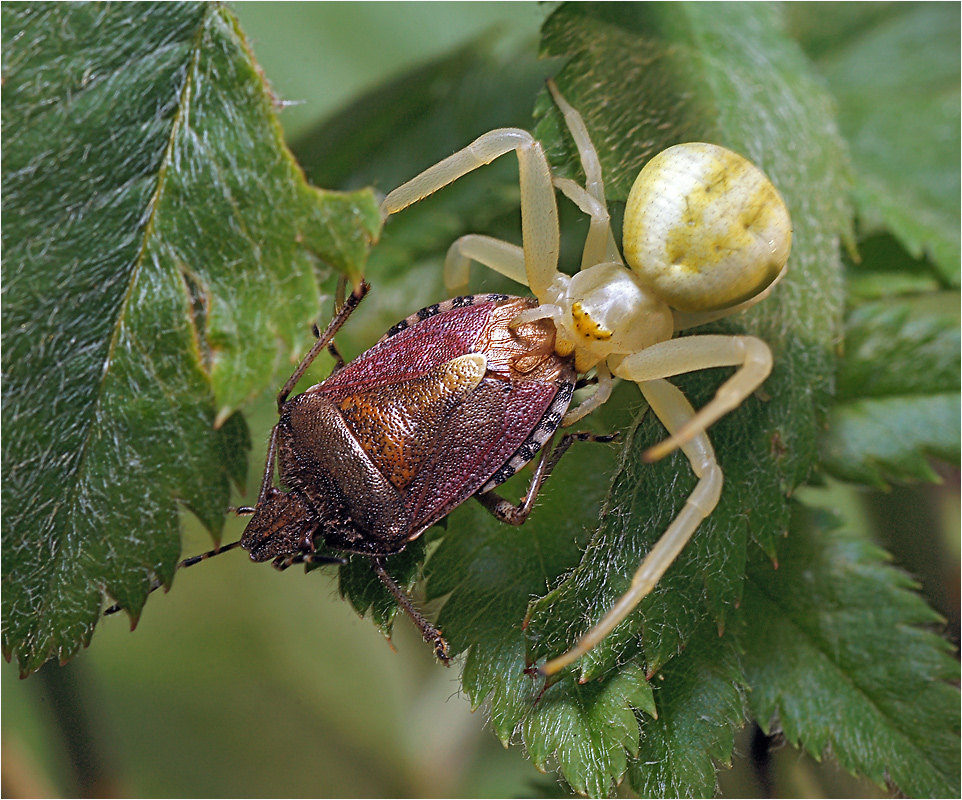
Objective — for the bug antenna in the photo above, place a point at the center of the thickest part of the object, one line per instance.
(187, 562)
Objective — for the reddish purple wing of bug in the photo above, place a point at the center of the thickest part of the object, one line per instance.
(437, 446)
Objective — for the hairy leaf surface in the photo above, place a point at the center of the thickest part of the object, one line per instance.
(838, 658)
(700, 702)
(889, 421)
(646, 77)
(740, 83)
(150, 207)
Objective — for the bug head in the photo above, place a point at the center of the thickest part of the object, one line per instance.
(283, 524)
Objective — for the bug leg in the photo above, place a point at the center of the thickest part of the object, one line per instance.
(336, 355)
(429, 632)
(689, 354)
(323, 341)
(267, 481)
(338, 305)
(512, 514)
(331, 349)
(674, 410)
(282, 563)
(502, 257)
(187, 562)
(539, 211)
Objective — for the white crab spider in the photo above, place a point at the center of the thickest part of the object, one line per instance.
(706, 235)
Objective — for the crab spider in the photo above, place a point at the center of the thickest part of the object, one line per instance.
(706, 235)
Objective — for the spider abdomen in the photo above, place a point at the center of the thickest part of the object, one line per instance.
(721, 235)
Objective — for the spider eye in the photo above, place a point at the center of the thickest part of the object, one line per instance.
(704, 228)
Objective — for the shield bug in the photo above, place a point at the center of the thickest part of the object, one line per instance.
(449, 404)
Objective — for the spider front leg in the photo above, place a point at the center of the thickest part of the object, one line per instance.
(693, 353)
(674, 410)
(503, 257)
(539, 211)
(600, 243)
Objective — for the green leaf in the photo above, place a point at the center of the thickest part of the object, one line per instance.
(886, 270)
(727, 74)
(359, 583)
(898, 397)
(838, 658)
(150, 207)
(588, 729)
(490, 570)
(895, 73)
(920, 353)
(700, 701)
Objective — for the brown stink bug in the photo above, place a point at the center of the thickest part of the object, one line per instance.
(449, 404)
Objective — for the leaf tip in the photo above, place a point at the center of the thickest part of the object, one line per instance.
(223, 414)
